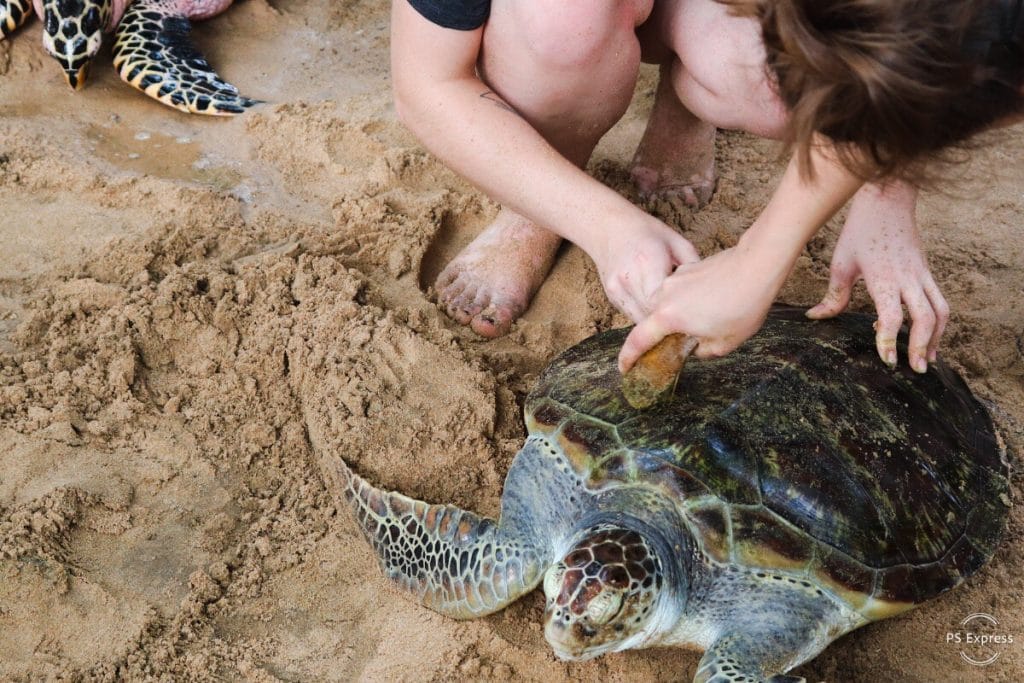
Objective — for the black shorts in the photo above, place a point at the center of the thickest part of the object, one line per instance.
(464, 15)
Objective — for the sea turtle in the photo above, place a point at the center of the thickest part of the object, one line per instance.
(152, 50)
(776, 499)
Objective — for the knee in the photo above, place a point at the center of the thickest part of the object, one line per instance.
(576, 34)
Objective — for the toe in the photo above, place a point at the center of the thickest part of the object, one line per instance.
(645, 179)
(454, 300)
(467, 305)
(493, 321)
(447, 277)
(690, 197)
(450, 288)
(703, 193)
(458, 315)
(458, 311)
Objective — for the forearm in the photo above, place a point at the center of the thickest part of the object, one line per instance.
(795, 213)
(468, 127)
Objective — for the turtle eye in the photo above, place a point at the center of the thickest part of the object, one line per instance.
(553, 581)
(604, 606)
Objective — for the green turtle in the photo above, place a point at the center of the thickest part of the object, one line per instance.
(774, 500)
(152, 49)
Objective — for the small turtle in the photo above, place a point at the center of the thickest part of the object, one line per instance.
(152, 50)
(776, 499)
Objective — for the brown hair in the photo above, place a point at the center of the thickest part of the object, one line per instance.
(893, 82)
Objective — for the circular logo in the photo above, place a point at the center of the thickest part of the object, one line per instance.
(980, 639)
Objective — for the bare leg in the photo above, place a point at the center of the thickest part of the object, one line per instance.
(676, 155)
(569, 69)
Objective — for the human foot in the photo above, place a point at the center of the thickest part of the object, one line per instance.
(692, 178)
(676, 156)
(492, 281)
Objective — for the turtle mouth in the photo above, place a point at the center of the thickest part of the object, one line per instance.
(567, 647)
(76, 77)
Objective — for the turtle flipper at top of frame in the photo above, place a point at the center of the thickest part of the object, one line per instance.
(153, 51)
(776, 499)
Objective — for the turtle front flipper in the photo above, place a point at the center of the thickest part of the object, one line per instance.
(767, 624)
(153, 52)
(741, 659)
(13, 14)
(456, 562)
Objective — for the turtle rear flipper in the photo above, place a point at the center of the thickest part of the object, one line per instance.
(13, 14)
(454, 561)
(153, 52)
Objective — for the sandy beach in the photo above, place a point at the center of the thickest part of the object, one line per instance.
(193, 311)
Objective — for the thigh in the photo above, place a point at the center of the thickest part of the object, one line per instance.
(564, 36)
(568, 67)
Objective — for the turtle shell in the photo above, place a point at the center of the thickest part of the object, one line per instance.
(800, 453)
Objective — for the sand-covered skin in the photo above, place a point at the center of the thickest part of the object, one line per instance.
(193, 312)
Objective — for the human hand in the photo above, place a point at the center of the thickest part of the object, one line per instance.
(633, 264)
(724, 299)
(880, 243)
(708, 301)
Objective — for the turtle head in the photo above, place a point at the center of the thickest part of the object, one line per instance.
(72, 34)
(605, 595)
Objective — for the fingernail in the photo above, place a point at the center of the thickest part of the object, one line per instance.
(933, 357)
(920, 366)
(890, 358)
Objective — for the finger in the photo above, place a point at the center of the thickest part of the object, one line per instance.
(682, 251)
(832, 304)
(887, 327)
(644, 336)
(837, 298)
(941, 308)
(657, 370)
(922, 327)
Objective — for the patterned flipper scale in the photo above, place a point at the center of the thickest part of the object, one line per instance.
(454, 561)
(153, 52)
(13, 14)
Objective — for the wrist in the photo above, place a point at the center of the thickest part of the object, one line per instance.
(600, 228)
(891, 198)
(769, 252)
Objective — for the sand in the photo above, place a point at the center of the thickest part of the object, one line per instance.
(192, 311)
